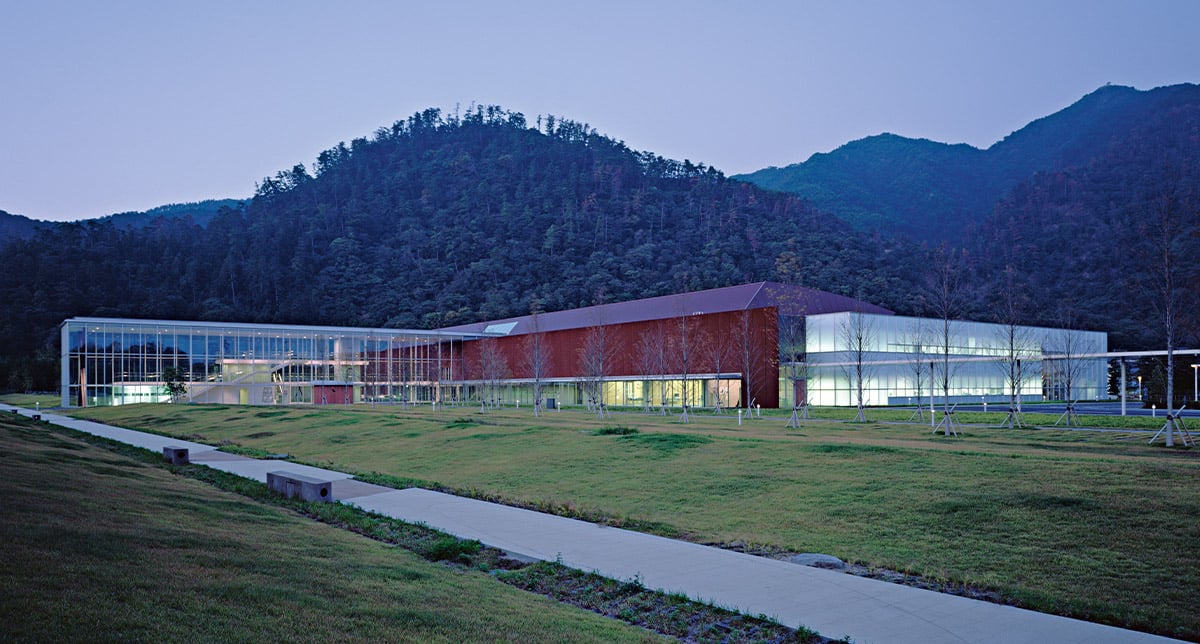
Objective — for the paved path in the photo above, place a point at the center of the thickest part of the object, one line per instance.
(832, 603)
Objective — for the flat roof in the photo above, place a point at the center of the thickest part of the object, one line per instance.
(999, 325)
(256, 327)
(791, 300)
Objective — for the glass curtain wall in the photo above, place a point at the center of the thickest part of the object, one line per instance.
(116, 362)
(903, 361)
(702, 392)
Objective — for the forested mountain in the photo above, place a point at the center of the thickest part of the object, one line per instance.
(17, 227)
(440, 220)
(200, 212)
(1091, 239)
(20, 227)
(930, 190)
(892, 184)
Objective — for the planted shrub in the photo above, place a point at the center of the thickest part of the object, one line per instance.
(618, 430)
(447, 548)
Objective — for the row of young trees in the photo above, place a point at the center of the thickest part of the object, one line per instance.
(1168, 239)
(1009, 269)
(930, 349)
(932, 344)
(670, 350)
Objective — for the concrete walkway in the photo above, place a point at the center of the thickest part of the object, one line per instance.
(832, 603)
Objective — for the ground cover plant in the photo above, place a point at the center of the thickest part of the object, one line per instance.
(101, 546)
(1097, 525)
(666, 613)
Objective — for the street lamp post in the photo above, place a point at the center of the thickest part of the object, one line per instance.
(1141, 392)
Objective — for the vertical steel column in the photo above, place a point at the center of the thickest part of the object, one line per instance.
(64, 366)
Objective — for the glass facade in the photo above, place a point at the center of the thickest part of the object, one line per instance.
(899, 360)
(115, 362)
(902, 361)
(703, 391)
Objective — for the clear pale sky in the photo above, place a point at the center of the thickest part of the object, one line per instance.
(115, 106)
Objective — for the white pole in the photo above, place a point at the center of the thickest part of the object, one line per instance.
(932, 409)
(739, 418)
(1123, 392)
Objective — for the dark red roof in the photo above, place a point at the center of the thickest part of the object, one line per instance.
(791, 300)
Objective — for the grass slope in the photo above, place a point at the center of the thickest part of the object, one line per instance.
(31, 401)
(98, 546)
(1093, 525)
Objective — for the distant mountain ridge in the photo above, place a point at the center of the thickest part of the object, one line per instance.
(929, 190)
(18, 227)
(442, 220)
(201, 213)
(14, 227)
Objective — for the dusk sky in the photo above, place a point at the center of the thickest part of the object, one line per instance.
(119, 106)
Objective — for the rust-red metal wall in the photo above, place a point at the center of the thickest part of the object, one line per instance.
(333, 394)
(706, 333)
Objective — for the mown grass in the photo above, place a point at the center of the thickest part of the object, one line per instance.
(102, 547)
(31, 401)
(1094, 525)
(1032, 417)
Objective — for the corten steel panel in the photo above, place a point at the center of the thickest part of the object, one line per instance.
(706, 334)
(714, 312)
(333, 394)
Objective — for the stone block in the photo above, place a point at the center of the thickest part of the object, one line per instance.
(817, 560)
(293, 485)
(176, 455)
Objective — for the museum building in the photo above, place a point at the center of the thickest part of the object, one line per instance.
(762, 344)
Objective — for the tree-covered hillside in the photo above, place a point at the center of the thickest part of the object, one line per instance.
(200, 212)
(17, 227)
(1090, 239)
(892, 184)
(440, 220)
(928, 190)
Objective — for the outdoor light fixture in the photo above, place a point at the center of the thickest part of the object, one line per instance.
(1195, 382)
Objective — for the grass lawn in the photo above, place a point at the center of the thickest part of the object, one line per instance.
(98, 546)
(30, 401)
(1087, 524)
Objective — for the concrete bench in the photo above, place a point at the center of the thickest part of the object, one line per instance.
(292, 485)
(176, 455)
